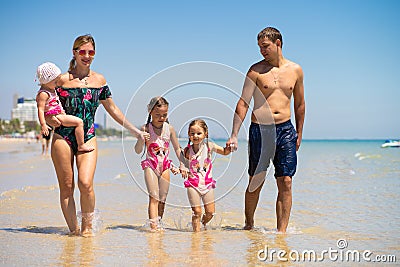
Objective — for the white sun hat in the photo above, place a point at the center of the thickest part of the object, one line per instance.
(47, 72)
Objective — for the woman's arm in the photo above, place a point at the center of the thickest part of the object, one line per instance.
(119, 117)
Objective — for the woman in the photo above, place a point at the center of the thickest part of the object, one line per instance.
(81, 90)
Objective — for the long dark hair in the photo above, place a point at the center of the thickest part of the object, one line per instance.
(157, 101)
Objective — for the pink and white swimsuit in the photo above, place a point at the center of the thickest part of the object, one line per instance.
(53, 104)
(200, 170)
(158, 150)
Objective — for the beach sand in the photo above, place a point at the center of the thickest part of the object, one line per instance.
(337, 196)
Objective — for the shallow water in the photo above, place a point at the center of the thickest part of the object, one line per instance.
(342, 190)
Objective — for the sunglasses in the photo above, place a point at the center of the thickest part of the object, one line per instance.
(85, 52)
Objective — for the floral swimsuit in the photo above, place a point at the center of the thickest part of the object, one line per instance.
(158, 150)
(82, 103)
(200, 167)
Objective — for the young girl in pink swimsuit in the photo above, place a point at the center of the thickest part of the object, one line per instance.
(200, 183)
(48, 104)
(157, 163)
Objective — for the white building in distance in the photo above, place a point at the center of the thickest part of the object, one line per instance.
(24, 109)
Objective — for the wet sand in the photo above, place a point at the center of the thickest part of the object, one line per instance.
(336, 196)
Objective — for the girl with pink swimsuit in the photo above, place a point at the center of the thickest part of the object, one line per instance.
(157, 164)
(48, 104)
(200, 183)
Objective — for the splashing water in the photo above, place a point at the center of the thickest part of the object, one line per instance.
(97, 223)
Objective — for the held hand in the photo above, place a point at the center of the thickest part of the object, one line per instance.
(184, 171)
(298, 142)
(228, 150)
(232, 143)
(144, 136)
(175, 170)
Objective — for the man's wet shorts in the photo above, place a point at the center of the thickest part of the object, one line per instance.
(276, 143)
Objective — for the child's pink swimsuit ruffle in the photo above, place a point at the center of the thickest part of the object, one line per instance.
(53, 104)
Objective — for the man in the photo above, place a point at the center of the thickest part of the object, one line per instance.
(271, 83)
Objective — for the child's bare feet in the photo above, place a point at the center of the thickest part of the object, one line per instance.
(153, 225)
(85, 148)
(206, 218)
(87, 232)
(196, 223)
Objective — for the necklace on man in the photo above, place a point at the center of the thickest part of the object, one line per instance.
(275, 78)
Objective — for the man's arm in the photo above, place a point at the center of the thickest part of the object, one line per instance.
(299, 105)
(242, 106)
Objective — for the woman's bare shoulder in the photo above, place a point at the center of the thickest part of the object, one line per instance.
(98, 78)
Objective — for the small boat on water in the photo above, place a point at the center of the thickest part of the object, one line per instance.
(391, 143)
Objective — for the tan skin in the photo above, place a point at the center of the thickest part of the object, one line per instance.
(66, 120)
(271, 83)
(159, 115)
(196, 136)
(63, 157)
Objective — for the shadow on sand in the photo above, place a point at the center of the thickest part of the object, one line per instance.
(48, 230)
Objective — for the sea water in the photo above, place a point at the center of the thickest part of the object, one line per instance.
(345, 198)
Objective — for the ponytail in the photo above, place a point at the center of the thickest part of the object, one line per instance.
(72, 64)
(154, 102)
(146, 125)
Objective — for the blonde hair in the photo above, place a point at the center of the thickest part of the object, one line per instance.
(200, 123)
(79, 41)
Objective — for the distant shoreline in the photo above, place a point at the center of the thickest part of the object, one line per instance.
(112, 138)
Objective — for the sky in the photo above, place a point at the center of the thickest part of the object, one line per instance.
(348, 51)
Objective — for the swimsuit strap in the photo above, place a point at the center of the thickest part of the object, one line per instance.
(151, 131)
(165, 131)
(44, 90)
(208, 151)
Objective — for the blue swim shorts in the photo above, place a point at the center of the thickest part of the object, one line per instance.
(278, 143)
